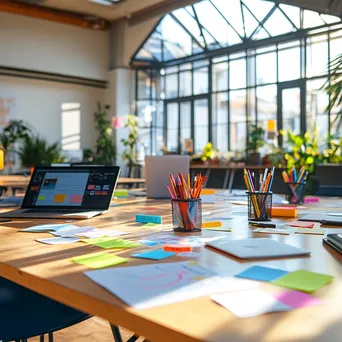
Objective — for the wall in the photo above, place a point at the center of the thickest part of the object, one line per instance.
(53, 47)
(39, 104)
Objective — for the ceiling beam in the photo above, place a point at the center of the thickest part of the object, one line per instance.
(157, 10)
(50, 14)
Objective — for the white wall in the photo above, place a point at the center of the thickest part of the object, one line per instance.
(53, 47)
(39, 104)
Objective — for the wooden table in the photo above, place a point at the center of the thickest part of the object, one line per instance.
(49, 271)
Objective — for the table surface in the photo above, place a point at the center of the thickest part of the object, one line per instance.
(22, 181)
(49, 271)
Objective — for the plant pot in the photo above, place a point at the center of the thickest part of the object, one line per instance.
(215, 161)
(254, 158)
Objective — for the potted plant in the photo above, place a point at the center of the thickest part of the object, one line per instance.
(35, 150)
(130, 153)
(15, 131)
(256, 140)
(105, 149)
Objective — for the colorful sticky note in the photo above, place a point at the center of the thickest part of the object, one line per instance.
(302, 224)
(150, 224)
(149, 243)
(314, 231)
(157, 254)
(214, 224)
(303, 280)
(99, 260)
(108, 242)
(59, 198)
(148, 218)
(177, 248)
(261, 273)
(297, 299)
(121, 193)
(309, 200)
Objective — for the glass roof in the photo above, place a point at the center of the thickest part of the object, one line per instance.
(215, 24)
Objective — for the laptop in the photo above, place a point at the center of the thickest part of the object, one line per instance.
(158, 170)
(68, 192)
(256, 248)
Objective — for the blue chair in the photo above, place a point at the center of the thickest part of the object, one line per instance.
(27, 314)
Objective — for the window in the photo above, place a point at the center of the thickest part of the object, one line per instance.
(71, 126)
(272, 52)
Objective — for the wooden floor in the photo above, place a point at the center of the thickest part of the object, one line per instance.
(93, 330)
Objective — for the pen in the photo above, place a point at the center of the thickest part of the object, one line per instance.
(265, 225)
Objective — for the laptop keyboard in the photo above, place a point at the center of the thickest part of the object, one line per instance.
(57, 211)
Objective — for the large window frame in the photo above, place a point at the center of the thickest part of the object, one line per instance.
(249, 51)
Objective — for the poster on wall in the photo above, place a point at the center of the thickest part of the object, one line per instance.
(7, 109)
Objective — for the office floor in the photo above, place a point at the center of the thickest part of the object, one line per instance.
(93, 330)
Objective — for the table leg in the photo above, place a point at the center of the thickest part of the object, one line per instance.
(231, 180)
(116, 333)
(226, 177)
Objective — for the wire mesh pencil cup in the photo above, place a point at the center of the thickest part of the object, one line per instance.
(259, 206)
(296, 192)
(187, 215)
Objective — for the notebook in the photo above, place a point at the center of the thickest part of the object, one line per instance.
(72, 192)
(256, 248)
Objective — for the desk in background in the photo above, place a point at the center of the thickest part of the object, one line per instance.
(49, 271)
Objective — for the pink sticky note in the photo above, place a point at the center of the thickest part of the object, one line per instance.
(308, 200)
(297, 299)
(302, 224)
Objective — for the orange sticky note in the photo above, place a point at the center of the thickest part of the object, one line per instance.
(214, 224)
(208, 192)
(284, 212)
(59, 198)
(177, 248)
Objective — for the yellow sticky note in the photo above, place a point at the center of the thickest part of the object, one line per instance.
(109, 242)
(99, 260)
(213, 224)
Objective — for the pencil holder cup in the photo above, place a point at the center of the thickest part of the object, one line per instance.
(296, 192)
(259, 206)
(187, 215)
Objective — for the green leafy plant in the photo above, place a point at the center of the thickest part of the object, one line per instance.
(256, 138)
(130, 153)
(37, 151)
(304, 150)
(15, 131)
(333, 87)
(208, 152)
(105, 149)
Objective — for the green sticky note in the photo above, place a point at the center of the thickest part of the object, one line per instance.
(99, 260)
(302, 280)
(109, 242)
(121, 193)
(150, 224)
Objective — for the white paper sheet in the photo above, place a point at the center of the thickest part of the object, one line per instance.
(188, 254)
(71, 232)
(249, 303)
(100, 233)
(278, 230)
(153, 285)
(58, 241)
(47, 228)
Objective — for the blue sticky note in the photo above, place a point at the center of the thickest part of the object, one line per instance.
(262, 273)
(149, 243)
(148, 218)
(157, 254)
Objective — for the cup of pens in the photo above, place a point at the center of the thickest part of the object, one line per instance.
(187, 215)
(259, 195)
(259, 206)
(296, 185)
(186, 203)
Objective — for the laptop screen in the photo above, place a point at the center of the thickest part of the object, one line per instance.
(85, 187)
